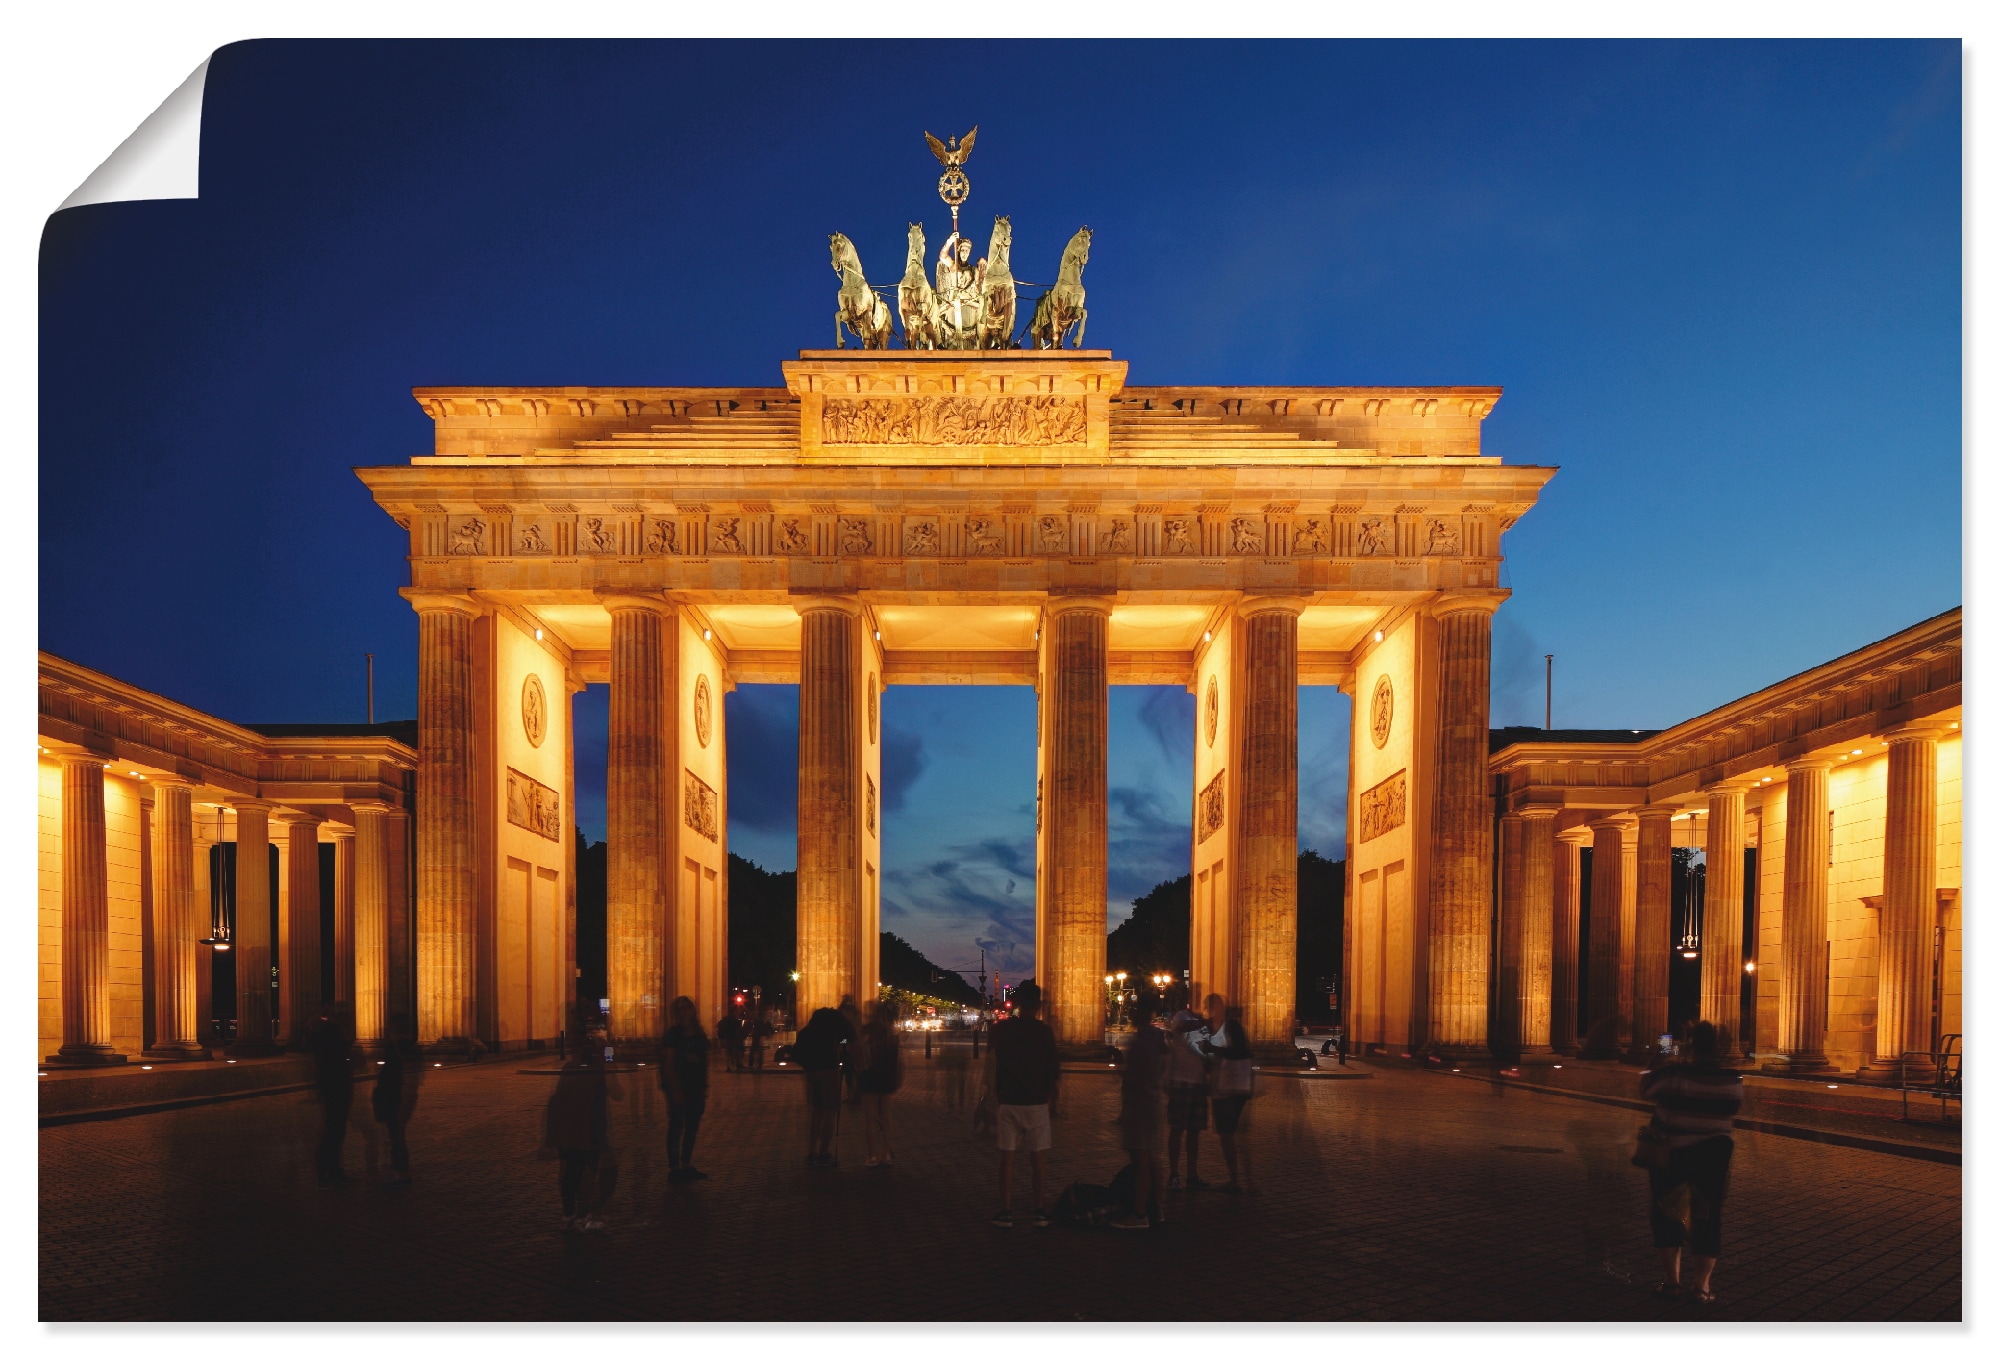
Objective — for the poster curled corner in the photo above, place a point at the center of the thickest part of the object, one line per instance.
(161, 159)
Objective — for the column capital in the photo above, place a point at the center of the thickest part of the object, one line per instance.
(1271, 604)
(1805, 764)
(1065, 604)
(1923, 729)
(1742, 783)
(370, 805)
(810, 602)
(442, 602)
(1657, 812)
(621, 601)
(339, 831)
(252, 804)
(1621, 822)
(171, 781)
(1458, 601)
(293, 816)
(1537, 812)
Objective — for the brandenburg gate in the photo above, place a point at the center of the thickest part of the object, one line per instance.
(936, 516)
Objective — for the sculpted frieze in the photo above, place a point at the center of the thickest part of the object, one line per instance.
(953, 420)
(1052, 533)
(663, 537)
(699, 808)
(1441, 538)
(920, 538)
(1375, 536)
(533, 805)
(469, 539)
(1214, 810)
(1309, 538)
(725, 535)
(1117, 537)
(1246, 536)
(531, 541)
(597, 536)
(857, 538)
(1383, 807)
(985, 536)
(792, 537)
(1177, 536)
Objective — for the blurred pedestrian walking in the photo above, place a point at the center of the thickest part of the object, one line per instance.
(330, 1040)
(684, 1079)
(729, 1035)
(817, 1050)
(1142, 1113)
(1687, 1155)
(850, 1072)
(955, 1061)
(576, 1129)
(880, 1076)
(759, 1030)
(1229, 1046)
(1187, 1089)
(394, 1099)
(1023, 1086)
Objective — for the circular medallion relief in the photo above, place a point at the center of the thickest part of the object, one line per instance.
(1212, 709)
(874, 710)
(703, 715)
(534, 710)
(1381, 711)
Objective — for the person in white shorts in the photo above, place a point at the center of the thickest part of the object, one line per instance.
(1022, 1076)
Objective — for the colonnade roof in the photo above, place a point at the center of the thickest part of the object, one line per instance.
(1841, 710)
(147, 736)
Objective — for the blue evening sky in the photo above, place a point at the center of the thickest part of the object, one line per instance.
(1719, 281)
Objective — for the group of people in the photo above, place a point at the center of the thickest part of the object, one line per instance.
(1178, 1070)
(742, 1037)
(330, 1041)
(842, 1055)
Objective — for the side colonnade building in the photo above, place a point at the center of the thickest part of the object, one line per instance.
(166, 832)
(951, 517)
(1828, 808)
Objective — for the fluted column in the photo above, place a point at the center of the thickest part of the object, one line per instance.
(1909, 907)
(1608, 1025)
(251, 939)
(1802, 987)
(639, 799)
(1267, 843)
(1513, 908)
(1535, 928)
(86, 917)
(1722, 919)
(342, 907)
(177, 926)
(1653, 926)
(370, 852)
(298, 975)
(829, 890)
(1565, 937)
(1076, 688)
(1461, 870)
(447, 919)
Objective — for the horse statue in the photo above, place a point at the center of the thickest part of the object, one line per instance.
(858, 309)
(997, 296)
(1062, 306)
(916, 301)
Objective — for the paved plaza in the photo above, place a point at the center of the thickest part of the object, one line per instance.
(1402, 1195)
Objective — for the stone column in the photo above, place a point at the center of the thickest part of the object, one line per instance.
(177, 926)
(1608, 1025)
(1653, 927)
(1564, 938)
(1722, 920)
(252, 934)
(1076, 688)
(396, 840)
(1909, 908)
(447, 922)
(298, 974)
(1513, 908)
(370, 937)
(1267, 841)
(342, 907)
(1535, 929)
(86, 917)
(639, 800)
(1802, 987)
(829, 890)
(1461, 872)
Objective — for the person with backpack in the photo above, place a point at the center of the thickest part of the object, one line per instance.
(1687, 1148)
(817, 1050)
(1229, 1046)
(879, 1075)
(683, 1073)
(1023, 1080)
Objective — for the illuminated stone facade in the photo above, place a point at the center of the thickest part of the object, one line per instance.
(1845, 937)
(1010, 517)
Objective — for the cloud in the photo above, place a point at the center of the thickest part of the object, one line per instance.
(1149, 844)
(762, 722)
(1168, 714)
(903, 759)
(964, 900)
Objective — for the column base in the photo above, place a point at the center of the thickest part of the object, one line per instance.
(1916, 1071)
(84, 1055)
(1537, 1050)
(183, 1052)
(1812, 1063)
(463, 1046)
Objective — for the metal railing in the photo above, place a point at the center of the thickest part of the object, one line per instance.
(1946, 1082)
